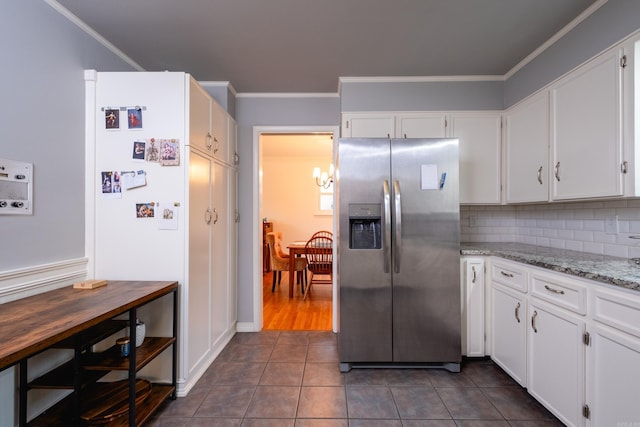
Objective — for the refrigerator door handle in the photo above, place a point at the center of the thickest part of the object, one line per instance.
(397, 232)
(387, 225)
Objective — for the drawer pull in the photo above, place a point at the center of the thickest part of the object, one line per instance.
(506, 274)
(517, 312)
(555, 291)
(533, 322)
(473, 268)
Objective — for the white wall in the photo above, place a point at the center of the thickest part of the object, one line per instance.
(578, 226)
(290, 196)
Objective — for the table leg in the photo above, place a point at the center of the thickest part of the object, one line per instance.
(292, 260)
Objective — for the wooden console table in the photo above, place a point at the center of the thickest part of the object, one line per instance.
(75, 318)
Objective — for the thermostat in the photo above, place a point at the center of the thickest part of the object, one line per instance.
(16, 187)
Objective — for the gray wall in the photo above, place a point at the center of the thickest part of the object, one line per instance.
(261, 111)
(42, 122)
(610, 24)
(421, 96)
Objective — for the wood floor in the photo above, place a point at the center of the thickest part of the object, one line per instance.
(295, 314)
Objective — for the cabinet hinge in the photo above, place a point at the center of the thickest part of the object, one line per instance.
(586, 412)
(624, 167)
(623, 61)
(586, 338)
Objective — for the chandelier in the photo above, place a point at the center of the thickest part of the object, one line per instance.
(323, 179)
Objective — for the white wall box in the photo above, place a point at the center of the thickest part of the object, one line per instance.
(200, 252)
(526, 150)
(479, 150)
(473, 307)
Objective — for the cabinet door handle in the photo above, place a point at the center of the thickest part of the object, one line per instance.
(517, 312)
(473, 280)
(215, 150)
(555, 291)
(506, 274)
(533, 321)
(209, 141)
(236, 159)
(557, 173)
(215, 216)
(207, 216)
(540, 175)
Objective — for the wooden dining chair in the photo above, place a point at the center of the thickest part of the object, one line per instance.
(280, 261)
(323, 233)
(319, 253)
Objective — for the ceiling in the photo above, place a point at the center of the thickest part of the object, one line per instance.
(306, 45)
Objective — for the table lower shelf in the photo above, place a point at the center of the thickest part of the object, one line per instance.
(58, 415)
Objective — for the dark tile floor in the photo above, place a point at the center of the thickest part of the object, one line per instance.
(292, 379)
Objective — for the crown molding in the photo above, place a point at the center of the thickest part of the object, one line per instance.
(90, 31)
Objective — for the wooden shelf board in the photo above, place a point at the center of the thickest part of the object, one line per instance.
(110, 360)
(95, 334)
(59, 415)
(62, 378)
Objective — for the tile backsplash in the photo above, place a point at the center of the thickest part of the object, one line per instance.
(606, 227)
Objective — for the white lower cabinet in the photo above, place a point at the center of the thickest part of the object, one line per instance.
(613, 360)
(573, 343)
(509, 332)
(473, 307)
(556, 360)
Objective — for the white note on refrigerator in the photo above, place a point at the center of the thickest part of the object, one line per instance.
(429, 179)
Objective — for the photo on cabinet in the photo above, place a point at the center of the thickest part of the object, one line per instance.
(134, 117)
(145, 210)
(112, 118)
(169, 152)
(133, 179)
(151, 155)
(110, 182)
(168, 215)
(138, 150)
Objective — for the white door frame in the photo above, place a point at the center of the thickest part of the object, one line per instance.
(257, 222)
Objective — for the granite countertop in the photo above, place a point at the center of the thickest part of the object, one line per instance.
(616, 271)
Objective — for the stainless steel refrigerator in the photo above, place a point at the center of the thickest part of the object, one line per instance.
(398, 252)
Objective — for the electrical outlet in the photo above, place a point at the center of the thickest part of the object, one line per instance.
(472, 220)
(611, 225)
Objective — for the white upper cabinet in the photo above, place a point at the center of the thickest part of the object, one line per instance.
(421, 125)
(586, 130)
(479, 153)
(479, 149)
(368, 125)
(527, 150)
(199, 117)
(220, 133)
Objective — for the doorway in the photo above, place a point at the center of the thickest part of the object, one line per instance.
(288, 198)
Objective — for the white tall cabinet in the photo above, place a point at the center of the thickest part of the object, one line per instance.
(198, 249)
